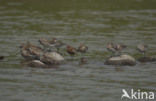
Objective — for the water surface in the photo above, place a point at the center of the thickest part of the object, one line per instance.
(92, 22)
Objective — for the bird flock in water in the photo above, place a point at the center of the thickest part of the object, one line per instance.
(49, 54)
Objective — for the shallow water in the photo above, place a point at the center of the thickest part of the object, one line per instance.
(92, 22)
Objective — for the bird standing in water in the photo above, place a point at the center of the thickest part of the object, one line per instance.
(110, 47)
(57, 44)
(49, 44)
(71, 50)
(119, 47)
(82, 48)
(46, 44)
(142, 48)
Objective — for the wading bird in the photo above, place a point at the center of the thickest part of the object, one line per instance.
(119, 47)
(30, 51)
(110, 47)
(82, 48)
(53, 43)
(44, 42)
(142, 48)
(71, 50)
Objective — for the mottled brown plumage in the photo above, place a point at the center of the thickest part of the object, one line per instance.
(53, 43)
(82, 48)
(71, 50)
(59, 44)
(44, 42)
(30, 51)
(119, 47)
(110, 47)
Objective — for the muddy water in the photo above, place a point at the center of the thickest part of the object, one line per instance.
(92, 22)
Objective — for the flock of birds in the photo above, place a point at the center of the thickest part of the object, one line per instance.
(33, 52)
(117, 48)
(55, 43)
(51, 45)
(43, 54)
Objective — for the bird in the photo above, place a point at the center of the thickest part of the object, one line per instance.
(71, 50)
(47, 44)
(110, 47)
(53, 40)
(58, 45)
(119, 48)
(44, 42)
(82, 48)
(142, 48)
(30, 51)
(51, 44)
